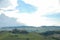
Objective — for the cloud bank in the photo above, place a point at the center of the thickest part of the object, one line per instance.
(7, 21)
(38, 17)
(8, 4)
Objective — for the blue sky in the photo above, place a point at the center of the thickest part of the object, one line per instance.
(25, 8)
(32, 12)
(55, 15)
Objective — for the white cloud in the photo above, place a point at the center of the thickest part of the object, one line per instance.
(36, 18)
(4, 3)
(8, 4)
(31, 19)
(45, 6)
(14, 3)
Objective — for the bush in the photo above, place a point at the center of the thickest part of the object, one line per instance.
(16, 31)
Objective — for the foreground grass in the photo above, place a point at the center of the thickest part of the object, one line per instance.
(29, 36)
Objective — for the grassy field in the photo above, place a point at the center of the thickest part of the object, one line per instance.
(29, 36)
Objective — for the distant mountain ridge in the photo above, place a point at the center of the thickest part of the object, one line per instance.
(34, 29)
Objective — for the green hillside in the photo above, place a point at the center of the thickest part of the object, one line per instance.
(29, 36)
(24, 35)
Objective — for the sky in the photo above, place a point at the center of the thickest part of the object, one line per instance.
(6, 21)
(32, 12)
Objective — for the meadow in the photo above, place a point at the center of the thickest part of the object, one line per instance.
(24, 35)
